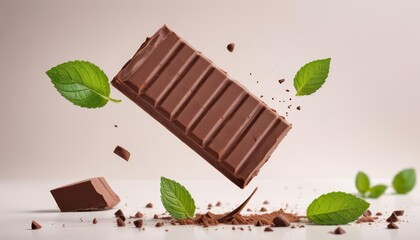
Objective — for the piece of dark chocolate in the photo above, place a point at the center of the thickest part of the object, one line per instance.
(230, 47)
(138, 223)
(392, 226)
(94, 221)
(339, 231)
(399, 212)
(149, 205)
(119, 214)
(268, 229)
(122, 152)
(35, 225)
(281, 221)
(199, 103)
(90, 194)
(120, 222)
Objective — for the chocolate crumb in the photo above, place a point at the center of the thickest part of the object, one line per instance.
(233, 228)
(116, 125)
(94, 221)
(301, 226)
(287, 90)
(120, 222)
(392, 226)
(378, 214)
(138, 215)
(367, 213)
(230, 47)
(159, 224)
(289, 106)
(249, 210)
(263, 209)
(392, 218)
(399, 212)
(259, 223)
(339, 231)
(272, 98)
(138, 223)
(119, 213)
(266, 202)
(281, 221)
(35, 225)
(281, 81)
(149, 205)
(241, 228)
(218, 204)
(122, 152)
(257, 81)
(166, 230)
(63, 225)
(250, 74)
(268, 229)
(298, 108)
(155, 216)
(209, 205)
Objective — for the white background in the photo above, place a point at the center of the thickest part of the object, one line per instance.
(365, 117)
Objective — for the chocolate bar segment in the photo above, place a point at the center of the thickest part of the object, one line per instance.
(198, 102)
(90, 194)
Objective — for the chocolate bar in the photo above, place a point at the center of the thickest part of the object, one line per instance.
(90, 194)
(198, 102)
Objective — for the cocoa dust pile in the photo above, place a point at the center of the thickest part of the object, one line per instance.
(211, 219)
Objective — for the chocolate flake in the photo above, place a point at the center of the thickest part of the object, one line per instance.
(268, 229)
(281, 81)
(230, 47)
(149, 205)
(119, 213)
(399, 212)
(392, 218)
(210, 205)
(249, 210)
(392, 226)
(339, 231)
(138, 223)
(120, 222)
(287, 90)
(122, 152)
(94, 221)
(35, 225)
(155, 216)
(115, 125)
(281, 221)
(298, 108)
(138, 215)
(378, 214)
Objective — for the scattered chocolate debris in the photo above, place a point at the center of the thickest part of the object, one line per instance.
(218, 204)
(120, 222)
(272, 98)
(367, 213)
(287, 90)
(233, 228)
(122, 152)
(281, 81)
(149, 205)
(35, 225)
(159, 224)
(257, 81)
(210, 205)
(230, 47)
(293, 226)
(249, 210)
(289, 106)
(378, 214)
(298, 108)
(266, 202)
(392, 226)
(281, 221)
(119, 213)
(250, 74)
(155, 216)
(138, 215)
(392, 218)
(268, 229)
(94, 221)
(116, 125)
(263, 209)
(339, 231)
(138, 223)
(399, 212)
(261, 96)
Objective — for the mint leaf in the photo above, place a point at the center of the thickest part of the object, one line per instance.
(176, 199)
(311, 76)
(376, 191)
(82, 83)
(362, 183)
(404, 181)
(336, 208)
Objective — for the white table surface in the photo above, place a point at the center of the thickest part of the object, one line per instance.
(24, 201)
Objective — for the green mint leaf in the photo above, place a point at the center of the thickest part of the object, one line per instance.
(376, 191)
(176, 199)
(404, 181)
(82, 83)
(336, 208)
(362, 183)
(311, 76)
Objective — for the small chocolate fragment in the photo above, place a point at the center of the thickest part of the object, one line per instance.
(230, 47)
(159, 224)
(87, 195)
(218, 204)
(298, 108)
(392, 218)
(263, 209)
(399, 212)
(233, 228)
(166, 230)
(149, 205)
(122, 152)
(120, 222)
(367, 213)
(268, 229)
(287, 90)
(115, 125)
(281, 81)
(259, 223)
(209, 205)
(119, 213)
(138, 215)
(249, 210)
(392, 226)
(155, 216)
(94, 221)
(281, 221)
(378, 214)
(35, 225)
(266, 202)
(339, 231)
(138, 223)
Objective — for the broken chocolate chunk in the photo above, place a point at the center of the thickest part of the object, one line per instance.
(281, 81)
(392, 226)
(268, 229)
(94, 221)
(230, 47)
(339, 231)
(120, 222)
(87, 195)
(399, 212)
(159, 224)
(298, 108)
(138, 215)
(263, 209)
(138, 223)
(122, 152)
(392, 218)
(119, 213)
(35, 225)
(149, 205)
(367, 213)
(281, 221)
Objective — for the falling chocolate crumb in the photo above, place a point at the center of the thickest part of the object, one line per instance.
(257, 81)
(263, 209)
(289, 106)
(138, 215)
(392, 218)
(35, 225)
(250, 74)
(218, 204)
(230, 47)
(281, 81)
(272, 98)
(159, 224)
(399, 212)
(266, 202)
(138, 223)
(392, 226)
(287, 90)
(339, 231)
(233, 228)
(120, 222)
(367, 213)
(210, 205)
(122, 152)
(241, 228)
(268, 229)
(378, 214)
(298, 108)
(149, 205)
(281, 221)
(94, 221)
(119, 213)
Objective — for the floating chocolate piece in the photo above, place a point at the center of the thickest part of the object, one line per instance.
(399, 212)
(339, 231)
(218, 204)
(200, 104)
(138, 215)
(35, 225)
(263, 209)
(122, 152)
(392, 226)
(281, 221)
(90, 194)
(138, 223)
(230, 47)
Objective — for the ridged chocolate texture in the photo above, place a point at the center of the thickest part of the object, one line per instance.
(199, 103)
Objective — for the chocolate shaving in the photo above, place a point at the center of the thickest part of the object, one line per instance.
(228, 216)
(122, 152)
